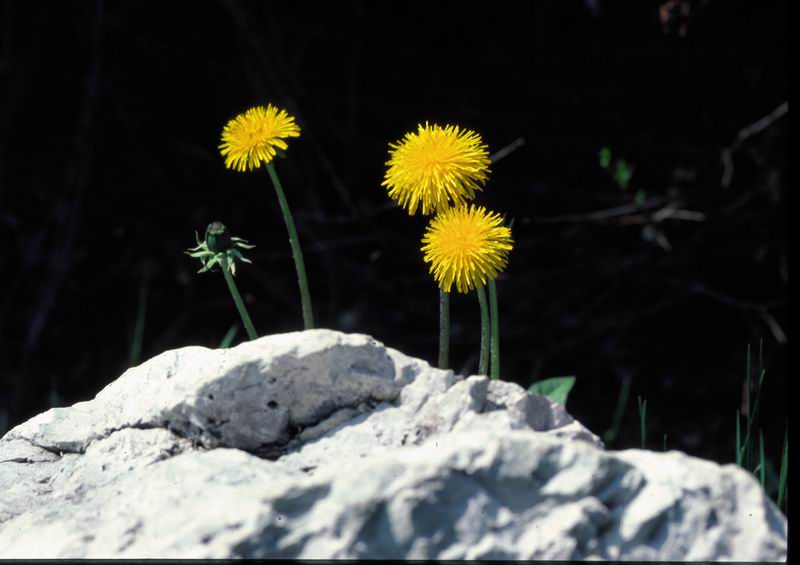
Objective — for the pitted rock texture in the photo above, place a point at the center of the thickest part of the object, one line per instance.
(320, 444)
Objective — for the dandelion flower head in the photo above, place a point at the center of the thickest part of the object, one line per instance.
(466, 246)
(436, 167)
(253, 137)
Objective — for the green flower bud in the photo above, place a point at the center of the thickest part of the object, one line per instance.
(218, 239)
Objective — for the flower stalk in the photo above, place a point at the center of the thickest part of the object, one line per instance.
(237, 299)
(495, 331)
(483, 362)
(297, 253)
(444, 329)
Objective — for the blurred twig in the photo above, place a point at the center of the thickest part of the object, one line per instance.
(601, 215)
(760, 309)
(743, 135)
(629, 214)
(669, 212)
(507, 150)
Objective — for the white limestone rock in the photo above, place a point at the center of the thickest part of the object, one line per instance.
(323, 445)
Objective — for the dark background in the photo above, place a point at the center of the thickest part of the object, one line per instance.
(110, 118)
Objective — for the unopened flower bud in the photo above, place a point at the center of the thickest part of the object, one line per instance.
(218, 239)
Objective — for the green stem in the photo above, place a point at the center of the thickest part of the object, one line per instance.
(616, 421)
(138, 328)
(738, 439)
(227, 339)
(495, 331)
(783, 473)
(248, 324)
(642, 419)
(297, 253)
(444, 329)
(483, 364)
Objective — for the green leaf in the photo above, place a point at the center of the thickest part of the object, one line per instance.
(555, 388)
(239, 242)
(605, 157)
(213, 261)
(623, 174)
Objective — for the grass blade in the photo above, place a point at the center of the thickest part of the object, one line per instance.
(752, 403)
(642, 419)
(762, 465)
(619, 410)
(229, 335)
(748, 391)
(782, 486)
(738, 439)
(138, 327)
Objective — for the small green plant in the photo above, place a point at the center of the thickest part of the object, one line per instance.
(750, 445)
(605, 157)
(220, 248)
(749, 452)
(621, 173)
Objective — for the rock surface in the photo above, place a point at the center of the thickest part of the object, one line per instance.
(320, 444)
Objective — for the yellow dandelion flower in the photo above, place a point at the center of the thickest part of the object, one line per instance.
(250, 139)
(466, 246)
(435, 167)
